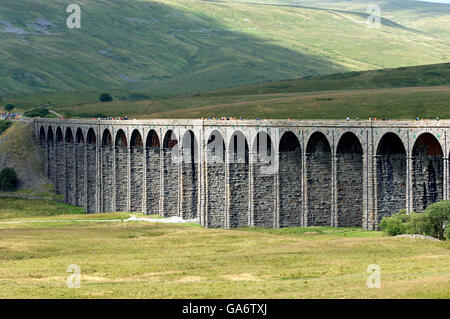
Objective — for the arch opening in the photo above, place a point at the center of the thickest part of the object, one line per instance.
(69, 135)
(153, 178)
(263, 181)
(427, 165)
(42, 134)
(318, 179)
(121, 139)
(391, 176)
(121, 169)
(108, 162)
(349, 182)
(136, 171)
(79, 168)
(59, 135)
(290, 181)
(189, 205)
(106, 139)
(238, 180)
(91, 176)
(171, 162)
(216, 180)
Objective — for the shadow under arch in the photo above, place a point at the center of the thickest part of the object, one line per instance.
(427, 174)
(263, 181)
(390, 177)
(290, 180)
(69, 136)
(190, 178)
(318, 180)
(215, 161)
(238, 179)
(349, 181)
(42, 134)
(153, 177)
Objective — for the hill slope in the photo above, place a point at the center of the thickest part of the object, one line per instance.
(179, 46)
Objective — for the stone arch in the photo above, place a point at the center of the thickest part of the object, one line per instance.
(91, 166)
(50, 137)
(121, 169)
(42, 134)
(190, 180)
(136, 171)
(390, 176)
(59, 135)
(263, 180)
(318, 180)
(215, 159)
(70, 167)
(153, 177)
(290, 180)
(69, 136)
(349, 181)
(107, 138)
(427, 171)
(107, 155)
(79, 138)
(59, 154)
(238, 178)
(152, 140)
(170, 175)
(121, 139)
(80, 168)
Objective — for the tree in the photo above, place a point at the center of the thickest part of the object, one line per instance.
(8, 179)
(105, 97)
(439, 216)
(9, 107)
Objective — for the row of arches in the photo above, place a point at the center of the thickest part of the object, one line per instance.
(304, 184)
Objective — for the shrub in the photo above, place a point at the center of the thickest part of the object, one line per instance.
(4, 125)
(432, 222)
(8, 179)
(395, 224)
(439, 216)
(105, 97)
(9, 107)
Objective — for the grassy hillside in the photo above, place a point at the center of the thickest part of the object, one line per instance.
(179, 46)
(146, 260)
(422, 91)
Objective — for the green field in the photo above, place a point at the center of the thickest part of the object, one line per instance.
(406, 93)
(147, 260)
(180, 46)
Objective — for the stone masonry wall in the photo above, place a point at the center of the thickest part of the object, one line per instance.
(70, 174)
(349, 190)
(239, 194)
(91, 178)
(153, 180)
(107, 178)
(318, 166)
(60, 168)
(80, 174)
(190, 190)
(137, 176)
(216, 195)
(391, 184)
(121, 178)
(290, 188)
(170, 172)
(263, 195)
(427, 181)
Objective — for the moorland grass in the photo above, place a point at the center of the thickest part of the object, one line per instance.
(147, 260)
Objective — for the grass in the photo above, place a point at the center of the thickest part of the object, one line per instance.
(169, 47)
(147, 260)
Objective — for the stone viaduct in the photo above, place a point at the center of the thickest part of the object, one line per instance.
(227, 173)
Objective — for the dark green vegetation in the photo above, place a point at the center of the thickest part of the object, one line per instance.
(182, 46)
(11, 207)
(38, 112)
(105, 97)
(4, 125)
(8, 179)
(433, 222)
(9, 107)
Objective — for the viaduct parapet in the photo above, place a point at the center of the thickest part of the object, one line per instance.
(249, 173)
